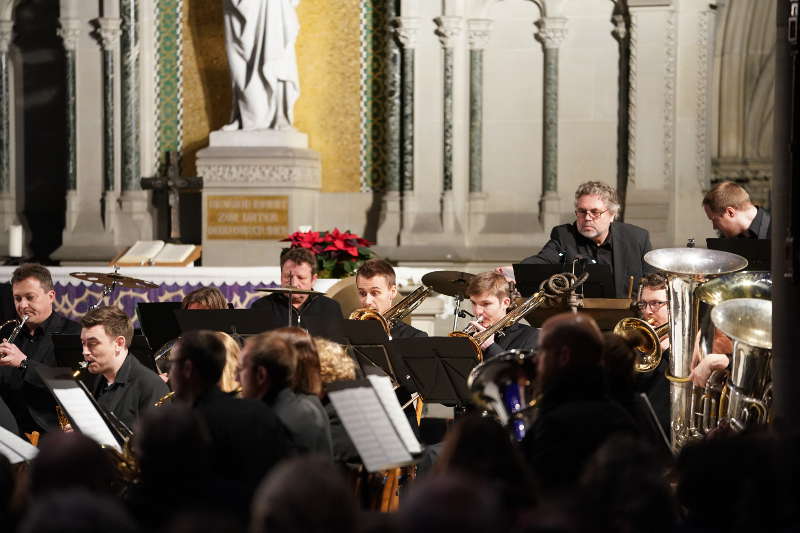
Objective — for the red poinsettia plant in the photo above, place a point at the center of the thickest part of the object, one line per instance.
(339, 253)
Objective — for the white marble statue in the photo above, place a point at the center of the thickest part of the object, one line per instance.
(260, 37)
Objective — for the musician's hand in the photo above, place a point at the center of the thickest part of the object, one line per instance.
(711, 362)
(10, 354)
(164, 377)
(507, 271)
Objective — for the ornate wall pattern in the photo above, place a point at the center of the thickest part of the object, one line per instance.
(168, 76)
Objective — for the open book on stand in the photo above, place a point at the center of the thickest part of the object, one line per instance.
(160, 253)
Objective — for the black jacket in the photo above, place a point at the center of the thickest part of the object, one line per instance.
(306, 421)
(23, 390)
(516, 337)
(320, 315)
(135, 389)
(630, 243)
(401, 330)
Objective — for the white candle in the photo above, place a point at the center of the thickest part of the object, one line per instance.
(15, 240)
(303, 229)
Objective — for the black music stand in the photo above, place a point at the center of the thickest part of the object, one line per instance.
(438, 366)
(158, 322)
(69, 351)
(367, 342)
(599, 284)
(231, 321)
(758, 252)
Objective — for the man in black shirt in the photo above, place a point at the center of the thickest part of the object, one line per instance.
(122, 385)
(318, 314)
(377, 288)
(731, 212)
(20, 384)
(490, 297)
(596, 237)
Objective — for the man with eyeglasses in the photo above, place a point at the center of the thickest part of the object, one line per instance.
(654, 309)
(598, 238)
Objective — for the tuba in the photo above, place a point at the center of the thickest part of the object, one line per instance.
(748, 321)
(686, 269)
(649, 350)
(504, 387)
(553, 288)
(396, 313)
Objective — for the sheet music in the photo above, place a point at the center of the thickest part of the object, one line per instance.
(15, 448)
(385, 391)
(84, 414)
(371, 431)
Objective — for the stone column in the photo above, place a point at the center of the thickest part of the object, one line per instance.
(479, 31)
(448, 29)
(108, 32)
(406, 30)
(551, 33)
(69, 33)
(8, 210)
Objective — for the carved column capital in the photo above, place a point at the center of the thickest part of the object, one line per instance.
(448, 29)
(479, 33)
(552, 31)
(407, 29)
(6, 34)
(69, 32)
(108, 30)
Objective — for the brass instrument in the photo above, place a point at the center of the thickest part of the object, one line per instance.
(166, 399)
(686, 269)
(18, 324)
(649, 351)
(396, 313)
(553, 288)
(748, 321)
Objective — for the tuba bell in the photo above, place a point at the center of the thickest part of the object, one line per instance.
(686, 269)
(648, 352)
(396, 313)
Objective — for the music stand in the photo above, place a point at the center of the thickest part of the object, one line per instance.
(367, 342)
(758, 252)
(438, 366)
(158, 322)
(231, 321)
(600, 283)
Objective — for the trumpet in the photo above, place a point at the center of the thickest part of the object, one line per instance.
(649, 351)
(396, 313)
(17, 327)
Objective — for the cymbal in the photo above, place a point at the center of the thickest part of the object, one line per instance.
(112, 278)
(448, 282)
(291, 290)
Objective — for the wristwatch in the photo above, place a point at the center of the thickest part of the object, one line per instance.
(23, 365)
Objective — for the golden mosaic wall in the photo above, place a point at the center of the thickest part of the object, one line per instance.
(328, 57)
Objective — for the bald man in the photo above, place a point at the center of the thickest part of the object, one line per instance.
(575, 414)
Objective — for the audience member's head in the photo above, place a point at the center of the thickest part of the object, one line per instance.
(307, 378)
(619, 357)
(482, 448)
(451, 502)
(569, 344)
(196, 364)
(335, 364)
(77, 511)
(205, 298)
(229, 382)
(268, 365)
(305, 494)
(69, 460)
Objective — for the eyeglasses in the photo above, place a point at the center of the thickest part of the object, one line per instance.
(593, 212)
(655, 305)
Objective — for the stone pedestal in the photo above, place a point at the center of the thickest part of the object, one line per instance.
(258, 187)
(84, 239)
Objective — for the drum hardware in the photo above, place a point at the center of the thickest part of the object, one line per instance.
(112, 280)
(289, 291)
(450, 283)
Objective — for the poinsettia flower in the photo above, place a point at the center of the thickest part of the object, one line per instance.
(338, 242)
(304, 240)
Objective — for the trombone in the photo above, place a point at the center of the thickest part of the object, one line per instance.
(648, 351)
(396, 313)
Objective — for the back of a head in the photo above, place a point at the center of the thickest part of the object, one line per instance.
(450, 502)
(335, 364)
(173, 446)
(70, 460)
(304, 495)
(307, 379)
(274, 351)
(619, 357)
(77, 511)
(578, 333)
(206, 352)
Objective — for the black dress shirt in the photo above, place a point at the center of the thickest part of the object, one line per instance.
(760, 227)
(23, 389)
(516, 337)
(319, 315)
(401, 330)
(135, 389)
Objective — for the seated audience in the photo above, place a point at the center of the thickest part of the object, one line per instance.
(575, 415)
(77, 511)
(229, 382)
(305, 494)
(71, 460)
(268, 366)
(336, 365)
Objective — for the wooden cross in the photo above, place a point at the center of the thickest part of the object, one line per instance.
(173, 184)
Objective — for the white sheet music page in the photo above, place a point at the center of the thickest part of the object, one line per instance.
(385, 391)
(86, 417)
(14, 448)
(368, 425)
